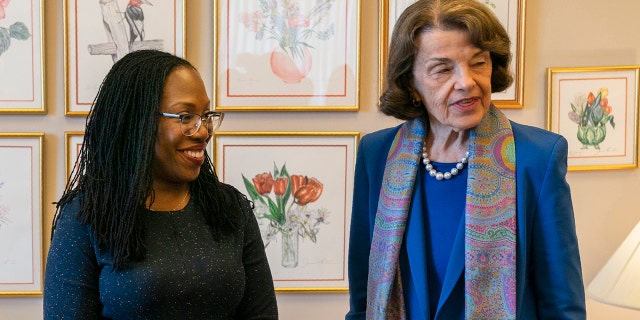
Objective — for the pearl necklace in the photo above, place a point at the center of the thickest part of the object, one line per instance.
(442, 175)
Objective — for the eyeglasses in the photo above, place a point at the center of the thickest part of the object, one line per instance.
(190, 122)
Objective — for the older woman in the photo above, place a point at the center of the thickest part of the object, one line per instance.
(459, 212)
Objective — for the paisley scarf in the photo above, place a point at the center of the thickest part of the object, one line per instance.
(490, 222)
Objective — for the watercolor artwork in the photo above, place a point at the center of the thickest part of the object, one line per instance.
(301, 187)
(21, 214)
(21, 57)
(596, 110)
(275, 55)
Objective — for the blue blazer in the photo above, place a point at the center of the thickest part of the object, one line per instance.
(548, 273)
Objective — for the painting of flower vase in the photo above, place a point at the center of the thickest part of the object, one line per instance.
(277, 55)
(291, 69)
(294, 29)
(301, 188)
(282, 200)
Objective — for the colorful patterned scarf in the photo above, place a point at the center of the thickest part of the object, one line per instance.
(490, 222)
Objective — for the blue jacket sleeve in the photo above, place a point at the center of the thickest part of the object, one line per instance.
(556, 268)
(370, 163)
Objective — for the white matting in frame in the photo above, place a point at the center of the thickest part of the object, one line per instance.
(511, 14)
(308, 63)
(95, 27)
(21, 255)
(21, 58)
(73, 143)
(596, 110)
(301, 185)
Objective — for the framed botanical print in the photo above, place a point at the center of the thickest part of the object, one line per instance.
(21, 252)
(21, 57)
(301, 186)
(286, 55)
(596, 110)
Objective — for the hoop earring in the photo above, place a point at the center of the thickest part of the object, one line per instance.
(416, 103)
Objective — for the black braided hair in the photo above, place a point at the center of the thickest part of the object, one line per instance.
(112, 176)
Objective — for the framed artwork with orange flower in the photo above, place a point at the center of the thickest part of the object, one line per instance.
(286, 55)
(21, 57)
(596, 110)
(301, 184)
(511, 13)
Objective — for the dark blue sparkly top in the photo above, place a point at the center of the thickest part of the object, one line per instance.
(185, 273)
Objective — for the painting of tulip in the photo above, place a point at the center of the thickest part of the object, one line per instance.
(283, 200)
(592, 113)
(294, 30)
(596, 110)
(301, 187)
(287, 55)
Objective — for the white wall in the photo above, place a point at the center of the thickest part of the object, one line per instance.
(568, 33)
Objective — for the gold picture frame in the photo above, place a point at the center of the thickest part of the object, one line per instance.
(21, 245)
(596, 110)
(73, 141)
(306, 237)
(510, 12)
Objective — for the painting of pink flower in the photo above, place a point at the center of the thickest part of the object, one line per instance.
(3, 4)
(18, 30)
(294, 29)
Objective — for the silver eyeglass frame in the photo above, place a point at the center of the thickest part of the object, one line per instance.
(201, 118)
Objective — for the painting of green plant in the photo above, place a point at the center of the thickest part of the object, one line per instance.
(592, 112)
(17, 30)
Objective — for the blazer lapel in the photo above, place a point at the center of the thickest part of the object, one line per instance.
(455, 267)
(416, 244)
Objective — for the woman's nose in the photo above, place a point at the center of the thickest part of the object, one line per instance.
(464, 79)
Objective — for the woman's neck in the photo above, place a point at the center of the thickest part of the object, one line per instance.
(447, 146)
(169, 198)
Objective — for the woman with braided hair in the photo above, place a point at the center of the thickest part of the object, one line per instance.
(144, 229)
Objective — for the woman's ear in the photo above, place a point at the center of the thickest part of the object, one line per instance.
(415, 95)
(416, 98)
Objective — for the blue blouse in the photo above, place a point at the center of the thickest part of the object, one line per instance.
(434, 231)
